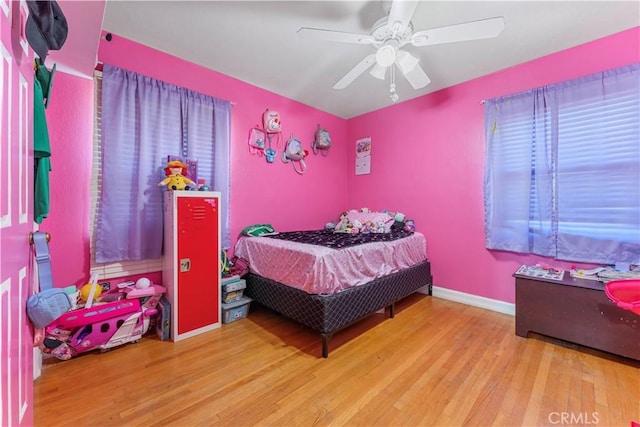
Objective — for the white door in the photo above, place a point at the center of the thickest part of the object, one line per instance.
(16, 215)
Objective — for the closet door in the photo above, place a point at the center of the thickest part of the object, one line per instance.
(16, 217)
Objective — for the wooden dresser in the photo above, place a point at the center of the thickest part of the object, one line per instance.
(578, 311)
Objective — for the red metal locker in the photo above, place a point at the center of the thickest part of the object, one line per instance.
(191, 271)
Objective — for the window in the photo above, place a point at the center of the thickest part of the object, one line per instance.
(110, 269)
(562, 174)
(139, 122)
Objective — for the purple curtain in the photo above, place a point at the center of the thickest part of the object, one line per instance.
(562, 169)
(143, 121)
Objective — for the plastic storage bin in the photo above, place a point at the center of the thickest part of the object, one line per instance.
(235, 310)
(232, 292)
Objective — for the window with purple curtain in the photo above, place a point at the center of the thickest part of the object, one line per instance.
(562, 175)
(144, 120)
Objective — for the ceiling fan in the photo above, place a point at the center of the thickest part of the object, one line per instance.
(390, 33)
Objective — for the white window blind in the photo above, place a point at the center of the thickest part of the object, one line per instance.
(598, 169)
(115, 269)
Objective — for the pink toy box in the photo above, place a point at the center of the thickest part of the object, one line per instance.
(105, 325)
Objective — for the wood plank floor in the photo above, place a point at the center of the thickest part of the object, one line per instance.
(437, 363)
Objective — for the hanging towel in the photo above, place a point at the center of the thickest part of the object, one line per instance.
(42, 83)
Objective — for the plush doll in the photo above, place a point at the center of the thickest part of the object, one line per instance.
(176, 179)
(398, 222)
(368, 227)
(409, 225)
(357, 226)
(342, 225)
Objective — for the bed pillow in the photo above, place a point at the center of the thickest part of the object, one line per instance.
(374, 217)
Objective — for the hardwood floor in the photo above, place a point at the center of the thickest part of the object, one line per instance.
(437, 363)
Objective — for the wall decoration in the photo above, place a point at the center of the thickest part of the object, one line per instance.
(261, 138)
(321, 141)
(363, 156)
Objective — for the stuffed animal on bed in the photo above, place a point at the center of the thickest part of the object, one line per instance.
(398, 222)
(409, 225)
(176, 179)
(343, 225)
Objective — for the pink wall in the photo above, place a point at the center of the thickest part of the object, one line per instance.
(70, 119)
(261, 192)
(428, 161)
(428, 158)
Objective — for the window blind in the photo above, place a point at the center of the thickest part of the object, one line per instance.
(562, 174)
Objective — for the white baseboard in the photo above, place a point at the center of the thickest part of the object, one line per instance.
(475, 300)
(37, 363)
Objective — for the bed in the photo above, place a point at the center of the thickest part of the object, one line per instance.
(328, 281)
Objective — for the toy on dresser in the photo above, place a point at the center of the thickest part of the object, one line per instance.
(122, 316)
(176, 172)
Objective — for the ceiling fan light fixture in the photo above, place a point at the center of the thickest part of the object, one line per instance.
(386, 55)
(406, 61)
(378, 72)
(395, 30)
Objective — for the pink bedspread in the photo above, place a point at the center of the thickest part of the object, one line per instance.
(321, 270)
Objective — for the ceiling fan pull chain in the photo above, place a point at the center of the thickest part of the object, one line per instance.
(392, 89)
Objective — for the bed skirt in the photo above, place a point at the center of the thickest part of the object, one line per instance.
(328, 314)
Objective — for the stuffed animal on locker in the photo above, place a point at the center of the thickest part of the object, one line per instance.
(176, 179)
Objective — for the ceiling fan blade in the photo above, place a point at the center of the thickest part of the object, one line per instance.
(400, 14)
(417, 77)
(360, 68)
(334, 36)
(474, 30)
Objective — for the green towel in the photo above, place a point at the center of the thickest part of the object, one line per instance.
(41, 151)
(258, 230)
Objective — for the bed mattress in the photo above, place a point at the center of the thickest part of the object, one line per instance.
(323, 270)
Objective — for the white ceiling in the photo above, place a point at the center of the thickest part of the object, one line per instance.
(256, 41)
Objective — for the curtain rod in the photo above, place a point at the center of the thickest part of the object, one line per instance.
(99, 69)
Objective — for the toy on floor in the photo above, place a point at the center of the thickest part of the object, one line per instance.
(124, 319)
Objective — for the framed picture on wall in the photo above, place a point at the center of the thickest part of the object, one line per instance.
(363, 156)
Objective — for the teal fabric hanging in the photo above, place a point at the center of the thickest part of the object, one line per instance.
(41, 145)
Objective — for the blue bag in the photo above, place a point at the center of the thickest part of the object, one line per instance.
(46, 306)
(50, 303)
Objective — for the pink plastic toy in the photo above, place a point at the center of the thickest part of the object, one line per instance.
(123, 320)
(625, 293)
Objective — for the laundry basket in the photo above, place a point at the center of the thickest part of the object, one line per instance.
(625, 293)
